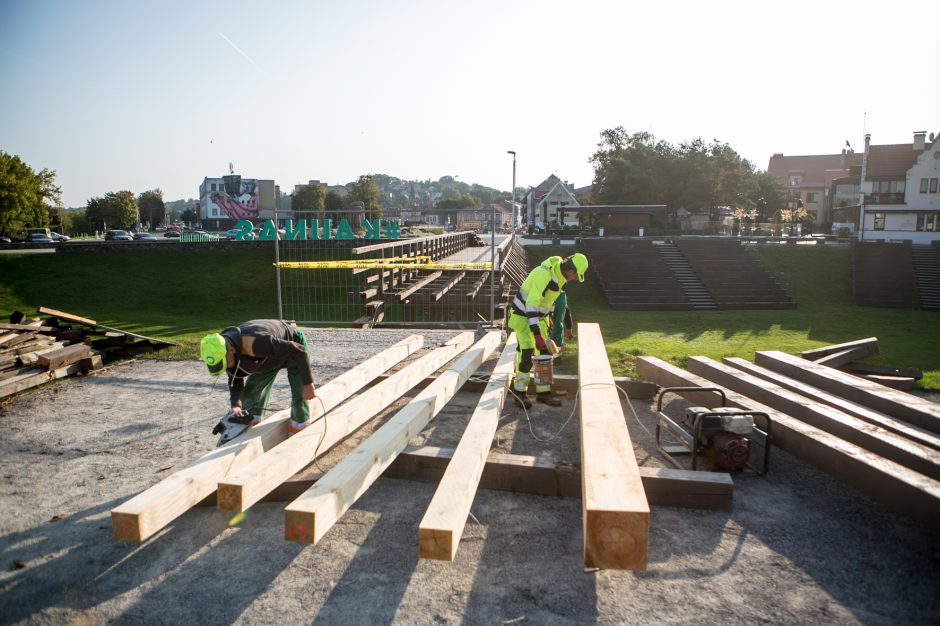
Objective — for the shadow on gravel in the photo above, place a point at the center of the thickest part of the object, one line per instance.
(878, 564)
(74, 563)
(224, 572)
(376, 579)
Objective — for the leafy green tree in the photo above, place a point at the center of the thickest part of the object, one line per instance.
(26, 197)
(365, 191)
(188, 216)
(80, 224)
(151, 207)
(309, 199)
(464, 201)
(768, 196)
(117, 209)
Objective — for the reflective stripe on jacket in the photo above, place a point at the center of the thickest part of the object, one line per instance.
(536, 296)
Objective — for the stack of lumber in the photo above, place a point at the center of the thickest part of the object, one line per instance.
(55, 344)
(881, 441)
(847, 358)
(264, 465)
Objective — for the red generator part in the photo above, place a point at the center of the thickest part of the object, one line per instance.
(730, 452)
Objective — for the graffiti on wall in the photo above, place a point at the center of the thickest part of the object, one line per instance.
(238, 198)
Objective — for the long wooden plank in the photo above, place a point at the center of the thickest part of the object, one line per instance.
(900, 488)
(855, 367)
(905, 406)
(148, 512)
(239, 490)
(442, 525)
(861, 433)
(307, 518)
(616, 512)
(29, 327)
(840, 358)
(900, 427)
(66, 317)
(869, 344)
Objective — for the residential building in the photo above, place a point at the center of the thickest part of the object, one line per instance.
(808, 180)
(899, 191)
(545, 204)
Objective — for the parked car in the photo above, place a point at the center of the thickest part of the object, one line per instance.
(57, 237)
(5, 240)
(232, 233)
(171, 233)
(118, 235)
(144, 236)
(38, 238)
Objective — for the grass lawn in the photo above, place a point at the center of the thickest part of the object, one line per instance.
(182, 295)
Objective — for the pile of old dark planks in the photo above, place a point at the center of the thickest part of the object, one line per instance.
(847, 358)
(55, 344)
(881, 441)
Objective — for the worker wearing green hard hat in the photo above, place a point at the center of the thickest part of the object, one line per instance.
(252, 354)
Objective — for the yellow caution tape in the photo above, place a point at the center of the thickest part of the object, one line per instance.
(412, 263)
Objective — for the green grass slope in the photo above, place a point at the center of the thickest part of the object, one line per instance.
(182, 295)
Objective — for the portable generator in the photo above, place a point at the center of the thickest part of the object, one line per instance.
(724, 435)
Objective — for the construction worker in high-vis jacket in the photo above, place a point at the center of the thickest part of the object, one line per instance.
(533, 302)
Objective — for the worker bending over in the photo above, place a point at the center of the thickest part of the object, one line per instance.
(533, 302)
(252, 354)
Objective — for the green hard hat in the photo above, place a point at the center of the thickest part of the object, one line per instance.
(212, 351)
(580, 263)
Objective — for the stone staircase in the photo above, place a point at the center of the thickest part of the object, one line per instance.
(696, 293)
(926, 260)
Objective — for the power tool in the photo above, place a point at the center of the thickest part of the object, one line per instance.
(232, 426)
(724, 435)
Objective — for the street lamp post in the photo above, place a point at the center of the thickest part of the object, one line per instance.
(514, 225)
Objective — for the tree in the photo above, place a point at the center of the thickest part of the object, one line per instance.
(26, 197)
(188, 216)
(333, 205)
(309, 199)
(151, 207)
(365, 191)
(117, 209)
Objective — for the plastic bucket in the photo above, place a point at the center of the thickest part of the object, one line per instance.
(542, 369)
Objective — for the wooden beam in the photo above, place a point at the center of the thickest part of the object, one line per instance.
(29, 327)
(239, 490)
(477, 285)
(870, 345)
(900, 488)
(546, 477)
(441, 291)
(863, 434)
(902, 405)
(29, 377)
(900, 427)
(307, 518)
(66, 317)
(401, 295)
(616, 512)
(442, 525)
(901, 383)
(63, 356)
(840, 358)
(148, 512)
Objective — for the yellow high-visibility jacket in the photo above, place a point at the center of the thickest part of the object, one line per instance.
(537, 294)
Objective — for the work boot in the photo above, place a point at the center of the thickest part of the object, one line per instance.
(547, 398)
(522, 400)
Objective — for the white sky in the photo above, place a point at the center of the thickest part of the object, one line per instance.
(131, 95)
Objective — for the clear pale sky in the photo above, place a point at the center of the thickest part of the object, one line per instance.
(137, 95)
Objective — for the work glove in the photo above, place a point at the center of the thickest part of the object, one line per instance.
(540, 343)
(569, 336)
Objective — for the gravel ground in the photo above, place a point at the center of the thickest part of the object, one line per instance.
(797, 548)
